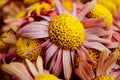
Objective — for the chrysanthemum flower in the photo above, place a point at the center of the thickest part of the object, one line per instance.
(109, 5)
(25, 44)
(31, 72)
(67, 34)
(101, 12)
(105, 70)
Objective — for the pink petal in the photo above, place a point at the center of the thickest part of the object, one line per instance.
(39, 64)
(87, 8)
(96, 39)
(73, 57)
(50, 52)
(74, 9)
(95, 45)
(32, 68)
(58, 64)
(52, 63)
(112, 45)
(116, 35)
(116, 74)
(22, 69)
(67, 67)
(60, 7)
(91, 22)
(13, 70)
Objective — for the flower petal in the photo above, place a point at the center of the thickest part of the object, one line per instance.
(67, 67)
(32, 68)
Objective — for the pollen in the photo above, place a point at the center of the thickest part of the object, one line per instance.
(46, 77)
(3, 47)
(101, 12)
(25, 44)
(66, 31)
(109, 5)
(94, 54)
(104, 78)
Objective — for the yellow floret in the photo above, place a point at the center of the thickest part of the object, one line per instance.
(46, 77)
(3, 47)
(66, 31)
(101, 12)
(105, 78)
(37, 8)
(24, 44)
(109, 5)
(94, 54)
(77, 60)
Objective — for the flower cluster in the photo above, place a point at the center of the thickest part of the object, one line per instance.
(60, 40)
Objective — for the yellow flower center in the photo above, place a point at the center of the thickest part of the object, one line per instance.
(46, 77)
(101, 12)
(24, 44)
(109, 5)
(94, 54)
(3, 47)
(66, 31)
(37, 7)
(104, 78)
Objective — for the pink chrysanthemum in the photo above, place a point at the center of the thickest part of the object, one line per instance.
(105, 70)
(67, 34)
(32, 72)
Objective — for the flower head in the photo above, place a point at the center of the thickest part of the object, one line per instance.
(105, 69)
(63, 34)
(3, 47)
(24, 44)
(101, 12)
(32, 72)
(66, 35)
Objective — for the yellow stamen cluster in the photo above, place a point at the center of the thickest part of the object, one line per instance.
(25, 44)
(105, 78)
(109, 5)
(101, 12)
(37, 7)
(94, 54)
(3, 47)
(46, 77)
(66, 31)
